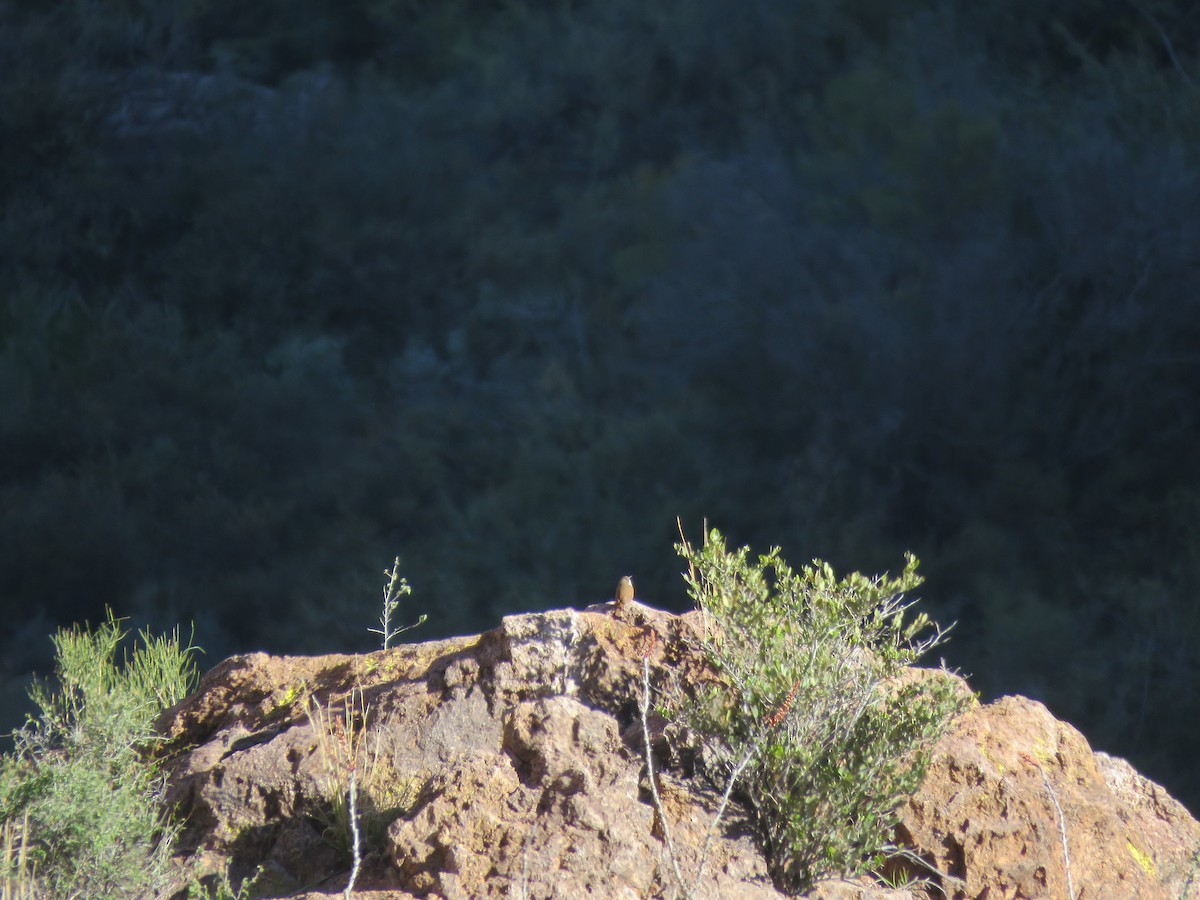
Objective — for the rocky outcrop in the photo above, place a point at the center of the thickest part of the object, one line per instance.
(510, 764)
(1016, 804)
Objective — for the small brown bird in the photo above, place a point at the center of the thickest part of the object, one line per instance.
(624, 592)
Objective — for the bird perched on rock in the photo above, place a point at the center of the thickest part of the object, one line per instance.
(624, 593)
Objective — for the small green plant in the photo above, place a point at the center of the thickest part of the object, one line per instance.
(396, 587)
(221, 889)
(363, 796)
(82, 780)
(813, 715)
(342, 743)
(18, 876)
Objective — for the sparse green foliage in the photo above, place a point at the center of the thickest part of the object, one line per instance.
(396, 587)
(221, 889)
(363, 795)
(813, 690)
(17, 871)
(81, 778)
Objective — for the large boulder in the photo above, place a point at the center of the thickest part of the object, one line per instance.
(512, 764)
(1015, 804)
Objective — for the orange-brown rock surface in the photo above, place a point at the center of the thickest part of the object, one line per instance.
(510, 764)
(1017, 805)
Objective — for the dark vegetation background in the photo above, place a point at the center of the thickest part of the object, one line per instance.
(288, 288)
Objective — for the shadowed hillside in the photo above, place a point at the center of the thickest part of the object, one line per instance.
(289, 288)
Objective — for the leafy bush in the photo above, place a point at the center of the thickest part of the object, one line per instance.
(813, 704)
(80, 778)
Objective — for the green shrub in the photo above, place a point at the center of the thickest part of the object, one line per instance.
(813, 705)
(81, 776)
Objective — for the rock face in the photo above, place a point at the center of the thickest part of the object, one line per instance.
(511, 764)
(1016, 804)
